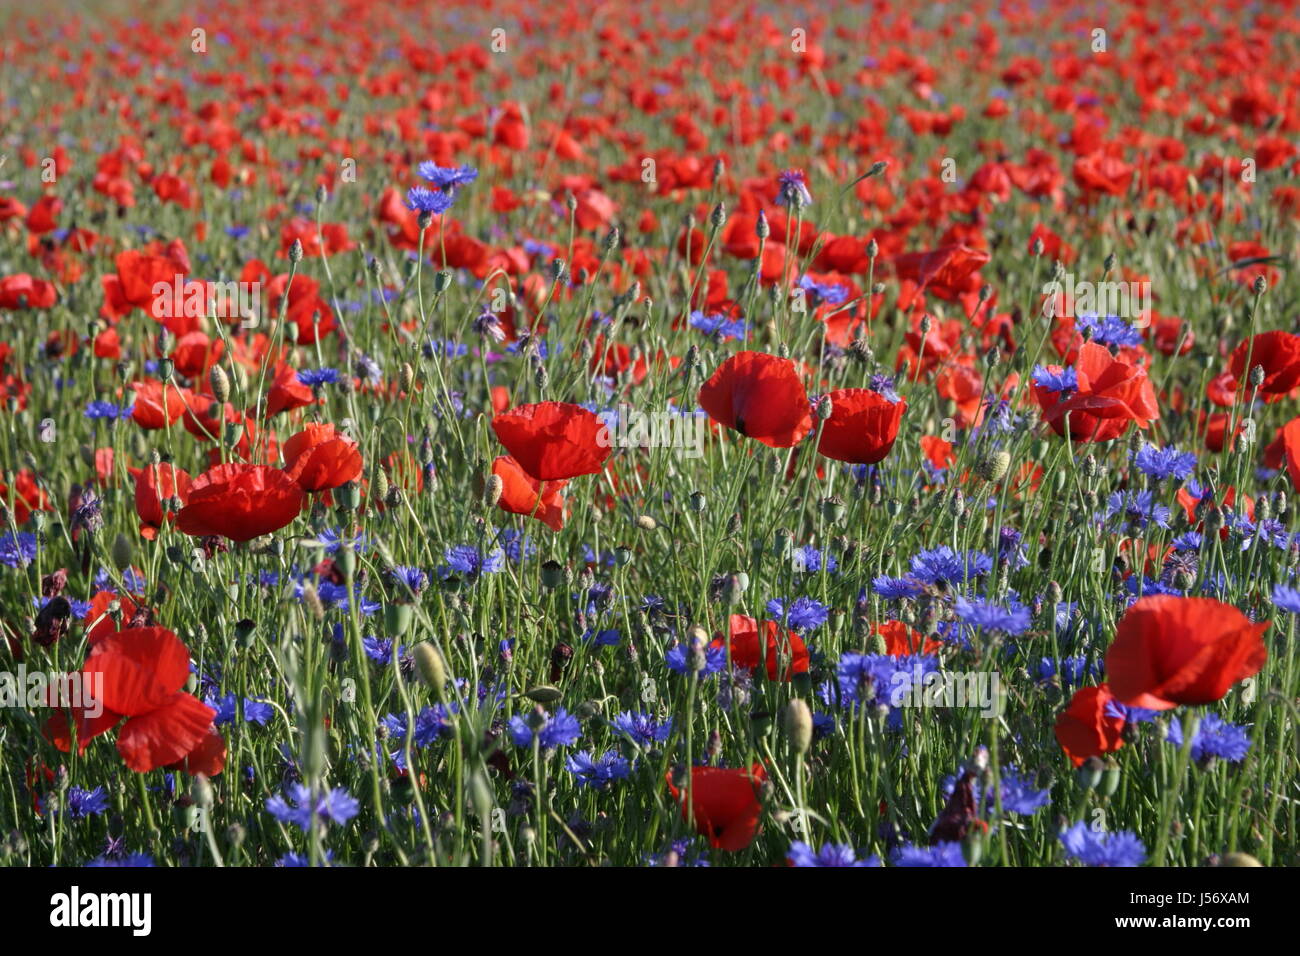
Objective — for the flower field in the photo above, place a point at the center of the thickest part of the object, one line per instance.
(657, 434)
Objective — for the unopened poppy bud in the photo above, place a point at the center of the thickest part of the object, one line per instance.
(992, 357)
(957, 504)
(397, 619)
(873, 248)
(926, 324)
(571, 202)
(429, 665)
(798, 726)
(824, 408)
(493, 486)
(313, 602)
(1037, 248)
(878, 167)
(734, 587)
(611, 239)
(123, 552)
(321, 195)
(220, 383)
(1089, 773)
(1110, 778)
(698, 501)
(557, 270)
(542, 378)
(295, 251)
(1260, 285)
(406, 378)
(761, 228)
(876, 643)
(544, 694)
(1256, 376)
(992, 465)
(1280, 504)
(646, 523)
(1089, 468)
(1238, 859)
(718, 218)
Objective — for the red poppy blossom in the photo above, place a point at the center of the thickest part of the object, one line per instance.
(240, 502)
(748, 650)
(724, 804)
(138, 674)
(158, 405)
(1088, 727)
(1111, 394)
(1182, 650)
(862, 426)
(320, 457)
(154, 485)
(520, 492)
(1278, 353)
(554, 440)
(760, 396)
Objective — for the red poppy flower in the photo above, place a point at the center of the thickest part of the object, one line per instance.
(287, 392)
(240, 502)
(901, 640)
(1290, 439)
(760, 396)
(155, 484)
(520, 492)
(158, 405)
(319, 457)
(137, 675)
(1111, 394)
(748, 650)
(553, 440)
(1088, 728)
(1176, 650)
(862, 426)
(724, 804)
(1278, 353)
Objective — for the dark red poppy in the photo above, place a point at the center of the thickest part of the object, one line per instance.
(862, 426)
(240, 502)
(1088, 727)
(320, 457)
(1278, 353)
(137, 675)
(554, 440)
(760, 396)
(724, 804)
(154, 485)
(1112, 393)
(782, 656)
(1182, 650)
(520, 492)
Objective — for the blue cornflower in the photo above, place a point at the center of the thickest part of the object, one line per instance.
(18, 550)
(877, 678)
(1215, 737)
(805, 614)
(718, 325)
(1066, 380)
(793, 189)
(405, 578)
(986, 616)
(897, 589)
(316, 377)
(1137, 509)
(830, 292)
(560, 730)
(810, 559)
(1188, 541)
(1286, 598)
(643, 729)
(941, 854)
(943, 565)
(301, 859)
(1162, 463)
(883, 385)
(420, 199)
(99, 409)
(80, 803)
(448, 178)
(471, 561)
(1101, 848)
(831, 854)
(1111, 330)
(597, 772)
(336, 806)
(131, 859)
(678, 659)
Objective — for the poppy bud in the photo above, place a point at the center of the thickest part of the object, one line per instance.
(824, 408)
(1037, 248)
(220, 383)
(542, 378)
(1110, 778)
(122, 553)
(201, 791)
(321, 195)
(429, 665)
(441, 281)
(761, 228)
(397, 619)
(993, 465)
(1089, 773)
(878, 167)
(1238, 859)
(926, 324)
(957, 504)
(346, 561)
(406, 378)
(295, 251)
(646, 523)
(876, 644)
(718, 218)
(873, 248)
(798, 726)
(1260, 285)
(698, 501)
(1109, 262)
(611, 239)
(544, 694)
(1256, 376)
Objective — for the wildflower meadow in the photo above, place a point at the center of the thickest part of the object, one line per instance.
(662, 434)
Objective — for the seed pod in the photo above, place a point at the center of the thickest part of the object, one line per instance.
(798, 726)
